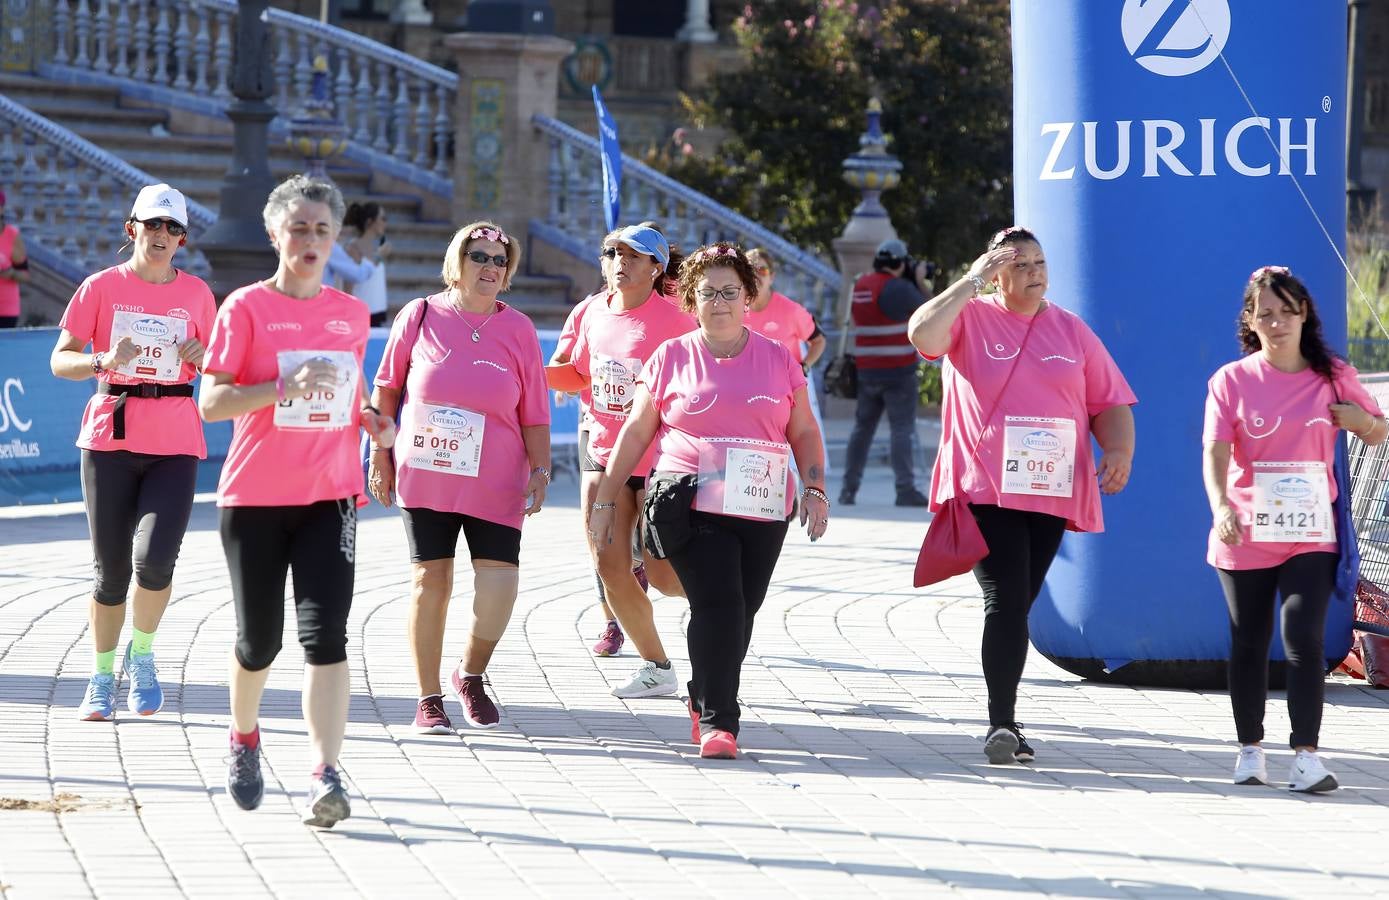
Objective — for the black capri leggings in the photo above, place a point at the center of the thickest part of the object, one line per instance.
(1021, 548)
(263, 543)
(138, 505)
(1305, 581)
(725, 568)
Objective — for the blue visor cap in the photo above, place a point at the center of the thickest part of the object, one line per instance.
(646, 240)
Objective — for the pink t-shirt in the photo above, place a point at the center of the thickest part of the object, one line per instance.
(166, 426)
(1272, 416)
(9, 290)
(569, 334)
(784, 321)
(501, 378)
(612, 347)
(701, 397)
(1065, 373)
(268, 464)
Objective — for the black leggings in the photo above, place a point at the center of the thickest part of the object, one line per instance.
(262, 544)
(138, 505)
(1021, 548)
(725, 568)
(1305, 581)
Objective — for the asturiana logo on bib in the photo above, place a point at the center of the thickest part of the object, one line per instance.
(1041, 441)
(448, 419)
(337, 326)
(1293, 488)
(1175, 37)
(150, 328)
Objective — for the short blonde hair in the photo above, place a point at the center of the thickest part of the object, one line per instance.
(463, 239)
(762, 259)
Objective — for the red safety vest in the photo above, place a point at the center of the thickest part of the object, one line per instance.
(879, 342)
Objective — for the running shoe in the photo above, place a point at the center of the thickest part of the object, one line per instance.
(328, 804)
(1250, 767)
(694, 721)
(478, 709)
(1308, 775)
(430, 717)
(99, 703)
(847, 496)
(145, 696)
(245, 784)
(610, 644)
(718, 744)
(1024, 753)
(1001, 744)
(912, 497)
(639, 573)
(648, 681)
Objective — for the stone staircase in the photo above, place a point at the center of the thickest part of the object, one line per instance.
(192, 152)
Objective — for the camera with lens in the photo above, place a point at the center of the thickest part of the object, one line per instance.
(929, 269)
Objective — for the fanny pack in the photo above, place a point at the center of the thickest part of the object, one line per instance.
(146, 389)
(669, 499)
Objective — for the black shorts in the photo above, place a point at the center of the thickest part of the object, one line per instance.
(589, 464)
(434, 535)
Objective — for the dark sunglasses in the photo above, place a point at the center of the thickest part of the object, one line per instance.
(169, 225)
(609, 253)
(483, 259)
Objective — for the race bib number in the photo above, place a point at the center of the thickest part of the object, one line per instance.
(336, 408)
(613, 384)
(1038, 456)
(1292, 503)
(443, 438)
(739, 477)
(157, 337)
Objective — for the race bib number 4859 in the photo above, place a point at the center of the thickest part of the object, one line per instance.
(444, 439)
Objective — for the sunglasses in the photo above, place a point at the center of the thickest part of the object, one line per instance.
(169, 225)
(609, 253)
(483, 259)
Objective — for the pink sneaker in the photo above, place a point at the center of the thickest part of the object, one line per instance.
(639, 573)
(718, 745)
(694, 721)
(478, 709)
(430, 717)
(611, 642)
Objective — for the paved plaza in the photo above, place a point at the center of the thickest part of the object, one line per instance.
(862, 773)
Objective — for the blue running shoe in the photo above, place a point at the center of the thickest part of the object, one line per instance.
(99, 705)
(328, 804)
(244, 781)
(145, 696)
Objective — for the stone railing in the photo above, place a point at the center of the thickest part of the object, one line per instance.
(574, 221)
(397, 109)
(69, 197)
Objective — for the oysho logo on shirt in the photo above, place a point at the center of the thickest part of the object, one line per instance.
(126, 307)
(284, 326)
(337, 326)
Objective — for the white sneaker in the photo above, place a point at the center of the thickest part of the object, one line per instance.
(648, 681)
(1251, 768)
(1308, 775)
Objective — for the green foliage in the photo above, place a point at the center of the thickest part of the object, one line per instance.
(1369, 263)
(930, 389)
(942, 69)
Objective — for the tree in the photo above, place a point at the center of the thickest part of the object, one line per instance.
(942, 69)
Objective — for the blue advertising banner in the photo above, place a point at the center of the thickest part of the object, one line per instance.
(1161, 152)
(611, 153)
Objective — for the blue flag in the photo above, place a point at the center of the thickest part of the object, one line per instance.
(611, 153)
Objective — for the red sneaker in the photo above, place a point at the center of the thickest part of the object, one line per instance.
(611, 641)
(478, 708)
(694, 721)
(430, 717)
(718, 745)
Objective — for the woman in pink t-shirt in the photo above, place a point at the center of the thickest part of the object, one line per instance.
(14, 269)
(1026, 385)
(141, 438)
(720, 410)
(284, 363)
(616, 337)
(474, 457)
(779, 317)
(1273, 420)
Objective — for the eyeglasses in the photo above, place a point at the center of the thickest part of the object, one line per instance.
(483, 259)
(762, 270)
(609, 253)
(169, 225)
(727, 295)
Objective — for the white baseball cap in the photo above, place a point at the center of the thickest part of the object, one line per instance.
(159, 201)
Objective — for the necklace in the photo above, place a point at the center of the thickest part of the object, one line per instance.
(731, 352)
(477, 329)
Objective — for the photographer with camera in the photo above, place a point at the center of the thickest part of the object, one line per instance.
(883, 301)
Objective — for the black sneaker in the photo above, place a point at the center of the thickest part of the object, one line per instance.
(1024, 752)
(244, 781)
(328, 804)
(1001, 744)
(847, 497)
(912, 498)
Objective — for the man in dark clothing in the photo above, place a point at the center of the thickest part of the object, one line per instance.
(883, 301)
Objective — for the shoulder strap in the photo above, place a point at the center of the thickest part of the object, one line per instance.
(419, 327)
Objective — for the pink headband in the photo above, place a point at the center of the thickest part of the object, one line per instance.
(716, 252)
(1270, 270)
(489, 234)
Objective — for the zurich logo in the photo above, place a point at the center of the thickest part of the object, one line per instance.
(1175, 37)
(448, 419)
(1041, 441)
(150, 328)
(1293, 488)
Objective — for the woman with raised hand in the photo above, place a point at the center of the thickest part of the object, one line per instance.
(615, 338)
(721, 410)
(1020, 373)
(1273, 420)
(285, 364)
(141, 437)
(464, 369)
